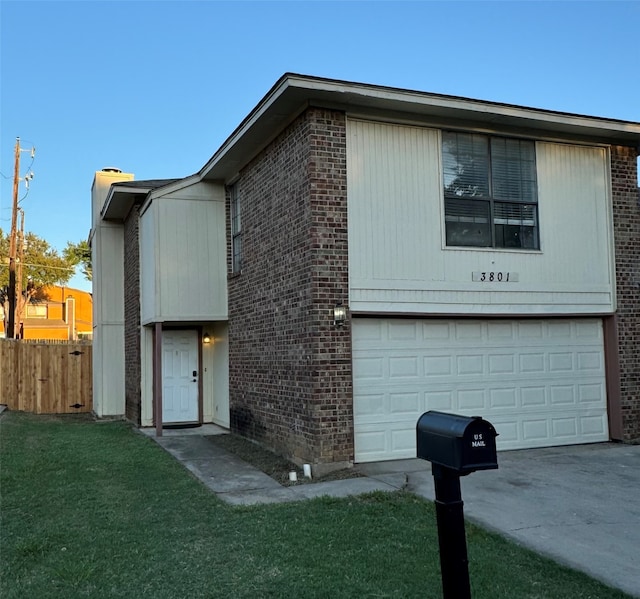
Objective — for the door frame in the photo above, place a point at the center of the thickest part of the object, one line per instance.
(158, 376)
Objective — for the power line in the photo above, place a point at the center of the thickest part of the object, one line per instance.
(44, 266)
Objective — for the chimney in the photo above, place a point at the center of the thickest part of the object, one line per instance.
(70, 318)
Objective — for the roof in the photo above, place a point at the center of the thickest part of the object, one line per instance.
(123, 194)
(293, 93)
(145, 185)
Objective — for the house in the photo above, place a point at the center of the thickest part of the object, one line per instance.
(355, 255)
(57, 312)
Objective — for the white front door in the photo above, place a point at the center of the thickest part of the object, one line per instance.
(180, 376)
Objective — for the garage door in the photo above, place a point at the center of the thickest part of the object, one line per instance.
(539, 382)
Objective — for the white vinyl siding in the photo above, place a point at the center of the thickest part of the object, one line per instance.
(398, 258)
(183, 259)
(539, 382)
(576, 222)
(393, 192)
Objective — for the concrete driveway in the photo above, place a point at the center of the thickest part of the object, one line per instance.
(577, 504)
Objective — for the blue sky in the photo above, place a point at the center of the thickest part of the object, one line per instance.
(155, 87)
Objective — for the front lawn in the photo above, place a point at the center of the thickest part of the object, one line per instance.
(97, 510)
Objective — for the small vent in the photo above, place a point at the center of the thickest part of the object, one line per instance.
(111, 169)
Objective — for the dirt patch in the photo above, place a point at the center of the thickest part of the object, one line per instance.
(272, 464)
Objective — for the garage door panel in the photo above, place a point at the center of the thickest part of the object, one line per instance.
(588, 330)
(539, 382)
(470, 365)
(531, 363)
(500, 330)
(439, 400)
(402, 331)
(533, 397)
(503, 398)
(560, 329)
(467, 331)
(510, 431)
(566, 428)
(561, 395)
(595, 426)
(473, 400)
(370, 368)
(439, 365)
(591, 394)
(501, 364)
(404, 403)
(561, 362)
(590, 361)
(396, 442)
(403, 367)
(369, 405)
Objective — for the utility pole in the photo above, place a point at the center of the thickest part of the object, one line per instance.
(21, 303)
(11, 332)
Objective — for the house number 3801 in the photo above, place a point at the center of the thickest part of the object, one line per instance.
(492, 276)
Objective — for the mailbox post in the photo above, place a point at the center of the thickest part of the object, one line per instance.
(455, 446)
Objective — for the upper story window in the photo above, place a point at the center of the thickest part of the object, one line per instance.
(490, 191)
(236, 231)
(36, 311)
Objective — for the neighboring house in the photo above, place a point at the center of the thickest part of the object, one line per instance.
(57, 312)
(487, 256)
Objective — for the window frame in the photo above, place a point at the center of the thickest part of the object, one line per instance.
(490, 179)
(37, 310)
(236, 229)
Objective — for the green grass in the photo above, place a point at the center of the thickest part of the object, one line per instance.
(97, 510)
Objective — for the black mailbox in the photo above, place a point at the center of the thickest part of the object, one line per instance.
(463, 444)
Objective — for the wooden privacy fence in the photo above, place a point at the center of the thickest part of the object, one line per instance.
(45, 377)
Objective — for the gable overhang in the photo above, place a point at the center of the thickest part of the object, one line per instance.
(123, 195)
(173, 187)
(292, 94)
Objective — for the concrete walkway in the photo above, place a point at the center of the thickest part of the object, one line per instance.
(579, 505)
(239, 483)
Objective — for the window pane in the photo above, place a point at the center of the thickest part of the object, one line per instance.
(235, 211)
(513, 170)
(237, 253)
(36, 311)
(467, 223)
(465, 158)
(236, 230)
(516, 225)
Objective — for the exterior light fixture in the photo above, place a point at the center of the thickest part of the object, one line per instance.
(206, 338)
(340, 315)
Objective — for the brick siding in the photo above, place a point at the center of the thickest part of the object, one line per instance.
(290, 367)
(132, 316)
(626, 226)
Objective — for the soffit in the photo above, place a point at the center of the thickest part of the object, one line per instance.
(123, 195)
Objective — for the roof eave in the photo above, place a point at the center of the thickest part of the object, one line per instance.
(123, 195)
(292, 93)
(119, 203)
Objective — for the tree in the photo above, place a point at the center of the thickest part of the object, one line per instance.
(80, 254)
(41, 265)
